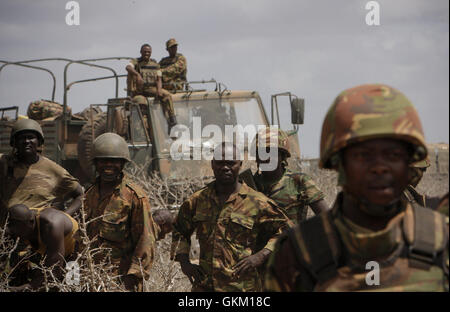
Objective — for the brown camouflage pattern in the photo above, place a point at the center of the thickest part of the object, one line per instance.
(367, 112)
(247, 223)
(293, 192)
(40, 185)
(42, 109)
(124, 224)
(174, 70)
(359, 246)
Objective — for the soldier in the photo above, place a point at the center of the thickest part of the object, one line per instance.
(50, 232)
(173, 67)
(120, 212)
(416, 171)
(370, 135)
(293, 192)
(31, 179)
(235, 225)
(146, 72)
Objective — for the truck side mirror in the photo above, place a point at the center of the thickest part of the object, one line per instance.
(297, 111)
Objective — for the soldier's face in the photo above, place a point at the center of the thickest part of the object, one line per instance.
(146, 52)
(172, 50)
(27, 143)
(226, 171)
(109, 169)
(377, 170)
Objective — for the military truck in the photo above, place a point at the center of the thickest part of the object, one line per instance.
(69, 139)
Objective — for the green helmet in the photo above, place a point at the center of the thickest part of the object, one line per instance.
(110, 145)
(368, 112)
(26, 125)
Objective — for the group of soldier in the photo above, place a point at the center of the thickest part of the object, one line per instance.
(148, 78)
(251, 238)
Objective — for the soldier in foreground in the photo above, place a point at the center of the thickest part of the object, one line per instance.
(235, 225)
(173, 67)
(370, 135)
(145, 74)
(31, 179)
(293, 192)
(48, 231)
(120, 212)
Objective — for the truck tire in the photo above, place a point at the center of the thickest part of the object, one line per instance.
(85, 141)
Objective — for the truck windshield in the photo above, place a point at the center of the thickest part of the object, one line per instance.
(219, 112)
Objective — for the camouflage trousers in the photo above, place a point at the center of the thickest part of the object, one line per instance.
(165, 99)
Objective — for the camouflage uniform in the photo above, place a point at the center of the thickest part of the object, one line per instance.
(174, 69)
(126, 227)
(150, 71)
(293, 193)
(247, 223)
(329, 252)
(294, 265)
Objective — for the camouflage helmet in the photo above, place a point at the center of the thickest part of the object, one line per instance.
(273, 137)
(171, 42)
(368, 112)
(140, 99)
(26, 125)
(110, 145)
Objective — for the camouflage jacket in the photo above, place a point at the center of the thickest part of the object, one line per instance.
(174, 69)
(293, 193)
(247, 223)
(42, 184)
(123, 222)
(330, 253)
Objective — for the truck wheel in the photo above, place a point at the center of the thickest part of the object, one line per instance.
(85, 141)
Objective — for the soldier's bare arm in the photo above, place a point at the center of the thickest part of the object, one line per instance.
(132, 71)
(77, 196)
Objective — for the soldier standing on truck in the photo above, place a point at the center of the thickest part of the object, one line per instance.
(292, 191)
(31, 179)
(145, 79)
(173, 67)
(373, 239)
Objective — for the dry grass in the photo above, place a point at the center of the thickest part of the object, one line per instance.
(166, 275)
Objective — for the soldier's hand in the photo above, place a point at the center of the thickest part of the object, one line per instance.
(139, 81)
(192, 271)
(251, 262)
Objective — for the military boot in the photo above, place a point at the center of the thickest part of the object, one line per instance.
(171, 123)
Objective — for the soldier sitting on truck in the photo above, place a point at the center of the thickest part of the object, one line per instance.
(173, 67)
(144, 78)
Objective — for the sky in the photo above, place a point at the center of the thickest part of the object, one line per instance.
(314, 49)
